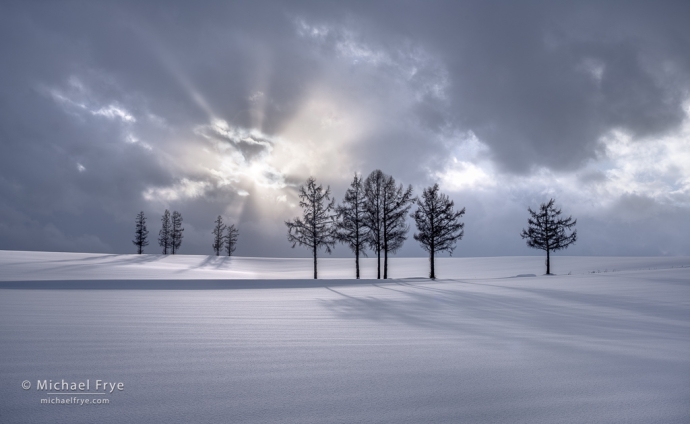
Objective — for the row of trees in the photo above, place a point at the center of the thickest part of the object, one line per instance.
(372, 215)
(170, 234)
(224, 237)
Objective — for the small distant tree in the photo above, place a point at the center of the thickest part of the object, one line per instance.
(176, 232)
(350, 227)
(231, 236)
(140, 233)
(438, 224)
(316, 228)
(218, 237)
(165, 234)
(549, 231)
(397, 201)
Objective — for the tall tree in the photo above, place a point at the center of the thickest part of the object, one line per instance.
(316, 228)
(165, 234)
(176, 232)
(350, 227)
(438, 224)
(218, 237)
(373, 213)
(231, 236)
(140, 233)
(397, 201)
(548, 230)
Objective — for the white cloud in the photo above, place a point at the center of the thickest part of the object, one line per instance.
(409, 64)
(470, 168)
(133, 139)
(184, 189)
(113, 111)
(76, 97)
(245, 154)
(654, 168)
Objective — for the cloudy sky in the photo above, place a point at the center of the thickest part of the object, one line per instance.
(225, 108)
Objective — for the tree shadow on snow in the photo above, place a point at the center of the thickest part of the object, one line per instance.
(541, 316)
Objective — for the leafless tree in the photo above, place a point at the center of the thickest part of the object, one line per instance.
(438, 224)
(218, 237)
(316, 229)
(351, 228)
(231, 236)
(397, 201)
(373, 215)
(165, 233)
(176, 232)
(141, 233)
(548, 230)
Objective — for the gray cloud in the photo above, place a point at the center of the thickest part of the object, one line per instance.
(217, 108)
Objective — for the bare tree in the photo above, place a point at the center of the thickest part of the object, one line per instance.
(373, 215)
(397, 201)
(176, 232)
(547, 230)
(141, 233)
(316, 228)
(231, 236)
(438, 224)
(165, 234)
(218, 238)
(351, 228)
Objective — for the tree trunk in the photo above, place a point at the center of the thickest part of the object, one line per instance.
(314, 263)
(357, 261)
(548, 263)
(385, 245)
(378, 266)
(385, 263)
(432, 274)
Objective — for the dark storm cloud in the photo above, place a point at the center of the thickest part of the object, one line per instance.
(540, 82)
(108, 108)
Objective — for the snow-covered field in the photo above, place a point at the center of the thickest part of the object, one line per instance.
(609, 343)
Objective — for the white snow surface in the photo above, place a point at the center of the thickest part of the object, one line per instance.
(36, 266)
(273, 346)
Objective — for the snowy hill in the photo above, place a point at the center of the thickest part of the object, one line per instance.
(476, 346)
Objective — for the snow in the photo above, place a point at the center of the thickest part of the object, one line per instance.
(478, 345)
(37, 266)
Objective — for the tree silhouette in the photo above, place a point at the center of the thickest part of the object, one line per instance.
(218, 238)
(386, 207)
(547, 230)
(231, 236)
(373, 216)
(141, 233)
(316, 228)
(165, 234)
(350, 227)
(438, 224)
(176, 232)
(396, 203)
